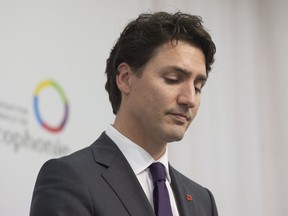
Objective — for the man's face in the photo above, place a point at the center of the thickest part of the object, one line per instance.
(165, 99)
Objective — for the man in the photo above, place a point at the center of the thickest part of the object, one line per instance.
(155, 74)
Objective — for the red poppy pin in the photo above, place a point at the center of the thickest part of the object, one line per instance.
(189, 197)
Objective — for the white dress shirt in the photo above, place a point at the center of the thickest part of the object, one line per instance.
(140, 160)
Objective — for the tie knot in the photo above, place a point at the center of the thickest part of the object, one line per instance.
(157, 171)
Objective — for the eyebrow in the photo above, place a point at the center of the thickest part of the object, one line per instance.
(199, 77)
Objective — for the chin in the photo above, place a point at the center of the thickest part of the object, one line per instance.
(171, 133)
(175, 136)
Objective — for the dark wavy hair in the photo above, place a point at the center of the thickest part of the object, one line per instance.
(142, 36)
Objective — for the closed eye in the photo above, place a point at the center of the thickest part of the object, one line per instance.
(199, 86)
(171, 80)
(198, 90)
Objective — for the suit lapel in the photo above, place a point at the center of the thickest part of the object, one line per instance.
(185, 206)
(121, 178)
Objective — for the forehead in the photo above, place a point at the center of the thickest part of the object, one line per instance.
(179, 54)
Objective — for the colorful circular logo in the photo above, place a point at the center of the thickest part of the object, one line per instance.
(56, 86)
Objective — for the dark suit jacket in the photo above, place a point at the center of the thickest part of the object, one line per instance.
(99, 181)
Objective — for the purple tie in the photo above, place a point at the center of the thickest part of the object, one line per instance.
(161, 199)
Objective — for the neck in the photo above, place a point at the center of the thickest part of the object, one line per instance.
(154, 147)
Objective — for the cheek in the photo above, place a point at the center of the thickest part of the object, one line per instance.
(163, 98)
(196, 107)
(155, 96)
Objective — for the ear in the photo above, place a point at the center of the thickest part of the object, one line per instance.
(123, 78)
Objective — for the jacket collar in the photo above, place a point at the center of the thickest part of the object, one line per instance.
(183, 196)
(120, 177)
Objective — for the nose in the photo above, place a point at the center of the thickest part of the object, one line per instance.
(187, 96)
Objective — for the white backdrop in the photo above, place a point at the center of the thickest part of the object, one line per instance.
(237, 146)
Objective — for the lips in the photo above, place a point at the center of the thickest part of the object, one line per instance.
(181, 117)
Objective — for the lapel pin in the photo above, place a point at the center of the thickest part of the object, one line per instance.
(189, 197)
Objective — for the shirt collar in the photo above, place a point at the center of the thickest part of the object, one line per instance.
(138, 158)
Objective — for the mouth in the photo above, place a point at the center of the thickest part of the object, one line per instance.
(180, 117)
